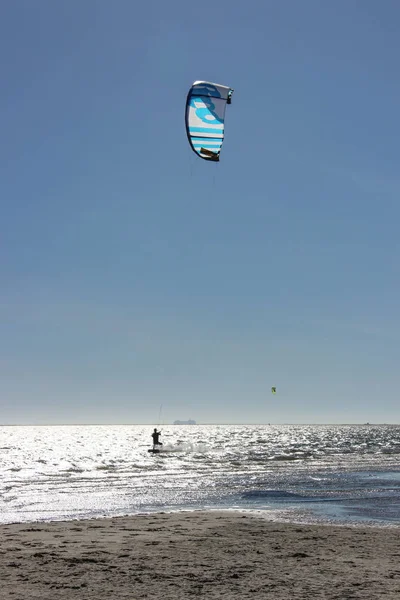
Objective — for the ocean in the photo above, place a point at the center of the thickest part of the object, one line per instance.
(342, 474)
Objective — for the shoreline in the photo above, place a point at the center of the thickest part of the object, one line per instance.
(286, 516)
(212, 554)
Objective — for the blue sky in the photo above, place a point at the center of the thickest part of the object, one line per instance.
(133, 274)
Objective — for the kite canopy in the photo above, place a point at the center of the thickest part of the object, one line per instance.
(273, 390)
(205, 114)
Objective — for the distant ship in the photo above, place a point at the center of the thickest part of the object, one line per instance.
(189, 422)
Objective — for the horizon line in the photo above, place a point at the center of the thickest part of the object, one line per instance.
(176, 425)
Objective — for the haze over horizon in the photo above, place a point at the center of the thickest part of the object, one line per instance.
(133, 274)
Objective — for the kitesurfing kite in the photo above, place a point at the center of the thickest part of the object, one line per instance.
(205, 113)
(273, 390)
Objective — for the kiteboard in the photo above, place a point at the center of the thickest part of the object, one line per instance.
(154, 450)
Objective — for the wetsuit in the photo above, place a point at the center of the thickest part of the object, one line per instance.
(156, 438)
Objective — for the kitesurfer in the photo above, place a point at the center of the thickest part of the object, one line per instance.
(156, 438)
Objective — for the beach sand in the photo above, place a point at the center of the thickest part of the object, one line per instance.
(202, 554)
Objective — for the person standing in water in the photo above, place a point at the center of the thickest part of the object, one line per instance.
(156, 438)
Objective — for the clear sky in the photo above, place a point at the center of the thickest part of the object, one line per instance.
(134, 274)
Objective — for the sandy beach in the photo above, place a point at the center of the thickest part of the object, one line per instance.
(201, 554)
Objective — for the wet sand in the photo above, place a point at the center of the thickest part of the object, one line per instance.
(202, 554)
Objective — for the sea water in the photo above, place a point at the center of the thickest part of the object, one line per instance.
(299, 473)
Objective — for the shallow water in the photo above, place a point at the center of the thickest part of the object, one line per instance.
(303, 473)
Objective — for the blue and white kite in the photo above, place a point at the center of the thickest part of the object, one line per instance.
(205, 114)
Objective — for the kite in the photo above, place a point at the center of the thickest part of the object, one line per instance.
(204, 118)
